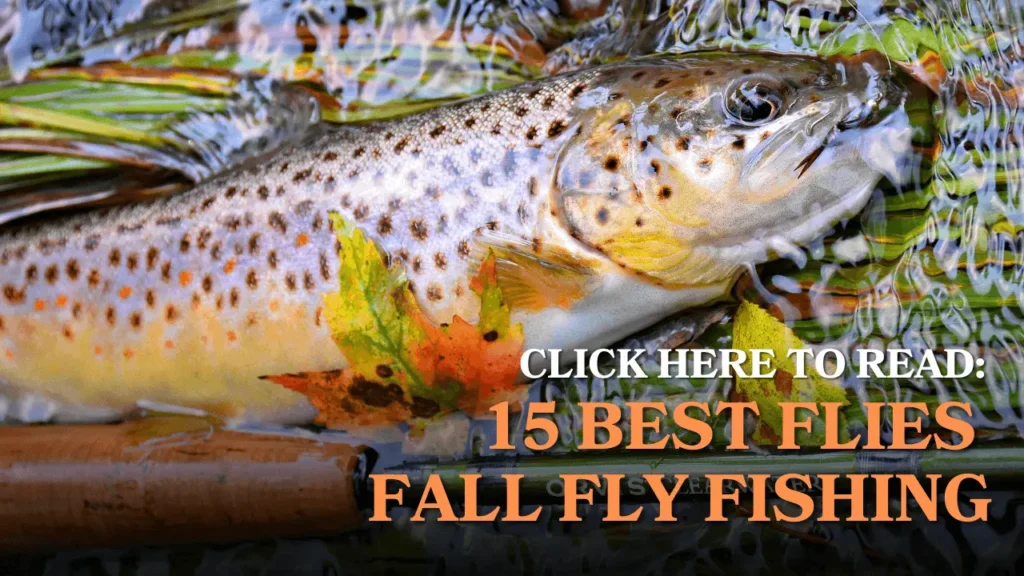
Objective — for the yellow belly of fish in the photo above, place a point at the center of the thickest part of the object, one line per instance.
(208, 365)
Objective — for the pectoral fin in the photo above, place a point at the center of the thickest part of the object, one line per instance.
(533, 276)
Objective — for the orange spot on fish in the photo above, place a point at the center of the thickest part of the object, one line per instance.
(97, 350)
(185, 277)
(274, 305)
(125, 293)
(229, 266)
(168, 344)
(232, 336)
(62, 301)
(128, 353)
(40, 304)
(203, 339)
(9, 354)
(302, 240)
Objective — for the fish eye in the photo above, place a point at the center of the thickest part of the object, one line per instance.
(753, 102)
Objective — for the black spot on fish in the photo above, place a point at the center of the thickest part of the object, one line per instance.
(434, 293)
(418, 229)
(13, 295)
(325, 267)
(277, 222)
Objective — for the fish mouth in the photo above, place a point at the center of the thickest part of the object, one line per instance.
(886, 97)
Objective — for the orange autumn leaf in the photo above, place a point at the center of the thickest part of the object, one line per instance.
(344, 399)
(400, 365)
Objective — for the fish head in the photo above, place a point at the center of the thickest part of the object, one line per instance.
(686, 170)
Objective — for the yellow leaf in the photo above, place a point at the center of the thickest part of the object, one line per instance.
(756, 329)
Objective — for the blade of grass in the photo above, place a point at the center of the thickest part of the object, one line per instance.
(107, 128)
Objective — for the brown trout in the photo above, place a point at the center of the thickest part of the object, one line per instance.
(612, 197)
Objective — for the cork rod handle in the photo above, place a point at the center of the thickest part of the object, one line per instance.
(149, 482)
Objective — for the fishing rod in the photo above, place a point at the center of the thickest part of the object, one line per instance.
(172, 480)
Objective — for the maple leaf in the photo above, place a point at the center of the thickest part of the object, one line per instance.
(400, 365)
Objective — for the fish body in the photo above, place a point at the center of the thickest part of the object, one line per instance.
(612, 197)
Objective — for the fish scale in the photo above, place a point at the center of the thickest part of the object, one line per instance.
(187, 301)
